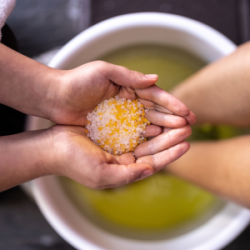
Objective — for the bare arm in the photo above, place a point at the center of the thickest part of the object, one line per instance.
(220, 93)
(222, 167)
(66, 96)
(24, 157)
(25, 83)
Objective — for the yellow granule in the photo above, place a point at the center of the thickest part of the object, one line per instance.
(116, 125)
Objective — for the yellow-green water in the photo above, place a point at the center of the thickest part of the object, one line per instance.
(162, 201)
(172, 65)
(158, 203)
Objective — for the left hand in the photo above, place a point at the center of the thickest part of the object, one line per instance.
(72, 154)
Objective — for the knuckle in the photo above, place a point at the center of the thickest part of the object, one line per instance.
(170, 155)
(169, 136)
(135, 74)
(132, 177)
(154, 164)
(150, 147)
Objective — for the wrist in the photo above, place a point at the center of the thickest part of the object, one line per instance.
(26, 84)
(51, 85)
(39, 146)
(54, 150)
(54, 101)
(24, 157)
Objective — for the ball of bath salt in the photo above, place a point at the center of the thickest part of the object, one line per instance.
(116, 125)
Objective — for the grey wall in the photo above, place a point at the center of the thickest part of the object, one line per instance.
(40, 25)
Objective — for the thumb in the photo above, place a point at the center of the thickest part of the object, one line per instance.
(114, 175)
(128, 78)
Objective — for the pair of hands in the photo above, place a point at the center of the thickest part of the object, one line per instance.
(77, 92)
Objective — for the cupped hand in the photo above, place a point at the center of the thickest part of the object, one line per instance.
(77, 92)
(78, 158)
(80, 90)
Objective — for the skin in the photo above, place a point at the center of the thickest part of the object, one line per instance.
(66, 97)
(220, 167)
(219, 94)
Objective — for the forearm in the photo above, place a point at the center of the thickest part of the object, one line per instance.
(222, 167)
(220, 92)
(24, 157)
(25, 84)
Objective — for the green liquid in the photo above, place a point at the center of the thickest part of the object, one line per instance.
(170, 64)
(161, 202)
(149, 208)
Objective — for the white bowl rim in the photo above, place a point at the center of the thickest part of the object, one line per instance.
(141, 19)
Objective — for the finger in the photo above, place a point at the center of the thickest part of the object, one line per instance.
(154, 106)
(160, 160)
(125, 159)
(191, 118)
(127, 93)
(166, 130)
(152, 131)
(164, 99)
(126, 77)
(114, 175)
(165, 120)
(162, 142)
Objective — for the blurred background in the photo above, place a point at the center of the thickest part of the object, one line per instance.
(41, 26)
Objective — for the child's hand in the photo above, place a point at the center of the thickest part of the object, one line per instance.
(76, 157)
(77, 92)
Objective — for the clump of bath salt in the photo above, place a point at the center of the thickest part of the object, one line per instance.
(116, 125)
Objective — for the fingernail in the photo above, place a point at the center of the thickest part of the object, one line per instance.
(151, 76)
(145, 174)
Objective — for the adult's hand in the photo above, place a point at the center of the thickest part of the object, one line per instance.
(81, 160)
(77, 92)
(66, 96)
(67, 151)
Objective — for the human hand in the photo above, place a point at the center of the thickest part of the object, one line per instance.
(66, 96)
(77, 92)
(67, 151)
(81, 89)
(78, 158)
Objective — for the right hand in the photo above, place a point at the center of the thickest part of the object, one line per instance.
(78, 158)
